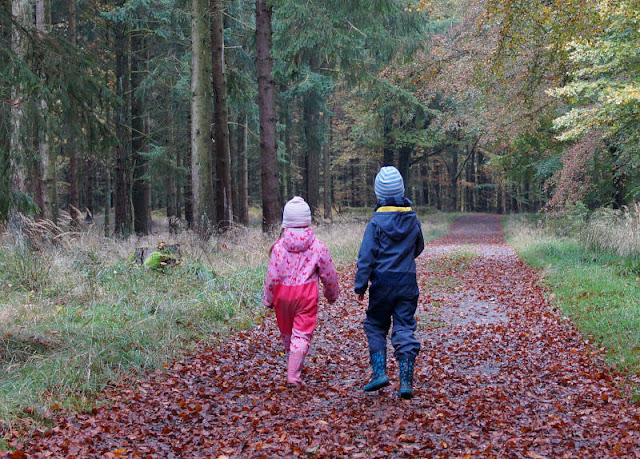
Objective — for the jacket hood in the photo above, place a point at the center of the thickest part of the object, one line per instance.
(396, 224)
(297, 239)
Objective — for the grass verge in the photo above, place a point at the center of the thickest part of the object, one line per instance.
(597, 289)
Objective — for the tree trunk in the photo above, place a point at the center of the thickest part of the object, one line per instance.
(5, 126)
(179, 181)
(21, 11)
(404, 165)
(72, 148)
(92, 179)
(73, 186)
(326, 174)
(243, 173)
(188, 189)
(172, 191)
(224, 201)
(122, 219)
(107, 203)
(453, 179)
(266, 105)
(314, 148)
(284, 164)
(387, 148)
(201, 93)
(140, 188)
(47, 168)
(314, 139)
(234, 132)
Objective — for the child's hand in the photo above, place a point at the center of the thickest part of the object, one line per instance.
(360, 297)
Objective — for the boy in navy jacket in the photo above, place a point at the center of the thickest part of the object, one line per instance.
(391, 242)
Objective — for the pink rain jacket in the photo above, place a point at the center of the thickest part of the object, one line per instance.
(298, 259)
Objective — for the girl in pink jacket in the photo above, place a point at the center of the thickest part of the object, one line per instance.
(298, 259)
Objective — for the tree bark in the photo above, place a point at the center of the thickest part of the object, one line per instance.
(266, 105)
(140, 192)
(201, 93)
(243, 173)
(172, 191)
(404, 165)
(326, 174)
(234, 132)
(313, 131)
(313, 135)
(107, 203)
(72, 149)
(387, 147)
(21, 11)
(122, 182)
(187, 189)
(48, 186)
(224, 201)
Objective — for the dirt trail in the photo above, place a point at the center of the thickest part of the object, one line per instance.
(500, 375)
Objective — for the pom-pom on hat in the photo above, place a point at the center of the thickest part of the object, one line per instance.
(297, 213)
(389, 183)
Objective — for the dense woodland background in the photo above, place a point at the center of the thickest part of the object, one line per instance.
(201, 109)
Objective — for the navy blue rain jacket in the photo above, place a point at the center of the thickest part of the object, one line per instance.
(391, 242)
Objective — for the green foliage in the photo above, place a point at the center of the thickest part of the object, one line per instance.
(349, 40)
(352, 37)
(604, 90)
(602, 94)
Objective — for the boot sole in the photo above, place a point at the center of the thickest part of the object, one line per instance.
(376, 387)
(405, 395)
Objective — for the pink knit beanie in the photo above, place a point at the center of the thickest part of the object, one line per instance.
(297, 213)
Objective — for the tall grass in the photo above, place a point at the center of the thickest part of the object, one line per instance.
(610, 230)
(616, 231)
(590, 277)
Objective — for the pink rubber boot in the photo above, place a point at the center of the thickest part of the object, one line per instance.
(294, 369)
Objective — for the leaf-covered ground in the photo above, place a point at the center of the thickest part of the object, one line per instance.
(501, 374)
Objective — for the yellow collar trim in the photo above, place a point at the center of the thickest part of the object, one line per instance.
(394, 209)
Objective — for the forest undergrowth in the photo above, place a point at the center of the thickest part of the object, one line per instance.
(591, 265)
(77, 315)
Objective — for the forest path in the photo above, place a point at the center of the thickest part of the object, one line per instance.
(500, 374)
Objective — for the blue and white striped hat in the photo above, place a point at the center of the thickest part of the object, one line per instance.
(389, 183)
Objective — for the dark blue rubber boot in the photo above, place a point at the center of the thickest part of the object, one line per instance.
(379, 378)
(405, 367)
